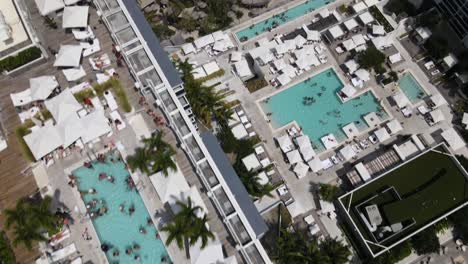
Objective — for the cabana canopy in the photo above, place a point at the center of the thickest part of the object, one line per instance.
(366, 18)
(63, 106)
(363, 172)
(239, 131)
(283, 79)
(243, 69)
(303, 141)
(382, 42)
(188, 48)
(363, 74)
(465, 119)
(70, 130)
(358, 39)
(350, 24)
(204, 41)
(348, 90)
(336, 31)
(95, 125)
(236, 56)
(395, 58)
(315, 164)
(21, 98)
(372, 119)
(438, 100)
(212, 253)
(69, 56)
(437, 116)
(351, 130)
(401, 100)
(43, 141)
(46, 7)
(453, 139)
(279, 64)
(329, 141)
(301, 169)
(349, 44)
(251, 162)
(211, 67)
(42, 86)
(394, 126)
(75, 17)
(359, 7)
(347, 152)
(382, 134)
(285, 143)
(378, 30)
(351, 65)
(294, 156)
(307, 152)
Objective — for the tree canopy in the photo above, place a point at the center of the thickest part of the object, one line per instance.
(437, 47)
(328, 192)
(426, 242)
(371, 58)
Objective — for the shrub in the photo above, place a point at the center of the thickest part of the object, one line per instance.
(255, 84)
(12, 62)
(162, 31)
(6, 253)
(328, 192)
(239, 14)
(426, 242)
(375, 12)
(394, 76)
(118, 90)
(82, 95)
(20, 132)
(43, 115)
(215, 74)
(371, 58)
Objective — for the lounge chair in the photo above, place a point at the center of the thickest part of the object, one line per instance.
(110, 100)
(116, 116)
(63, 252)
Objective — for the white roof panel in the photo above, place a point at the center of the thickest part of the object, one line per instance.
(453, 139)
(75, 17)
(68, 56)
(350, 24)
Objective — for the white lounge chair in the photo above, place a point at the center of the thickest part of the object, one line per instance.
(90, 49)
(110, 100)
(63, 252)
(116, 116)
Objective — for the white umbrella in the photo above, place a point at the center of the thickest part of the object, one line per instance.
(63, 106)
(347, 152)
(382, 134)
(329, 141)
(75, 17)
(307, 152)
(351, 130)
(394, 126)
(68, 56)
(315, 164)
(46, 7)
(42, 86)
(303, 141)
(301, 169)
(294, 156)
(437, 116)
(285, 143)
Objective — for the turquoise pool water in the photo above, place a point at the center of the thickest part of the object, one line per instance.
(281, 18)
(411, 88)
(119, 229)
(326, 114)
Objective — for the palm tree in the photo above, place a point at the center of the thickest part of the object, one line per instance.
(335, 251)
(29, 220)
(176, 230)
(139, 160)
(163, 162)
(200, 231)
(253, 185)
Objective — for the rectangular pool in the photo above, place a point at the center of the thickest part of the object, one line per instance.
(120, 229)
(410, 86)
(314, 105)
(281, 18)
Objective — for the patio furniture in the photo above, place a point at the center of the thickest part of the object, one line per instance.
(100, 62)
(117, 119)
(90, 49)
(110, 100)
(83, 34)
(74, 74)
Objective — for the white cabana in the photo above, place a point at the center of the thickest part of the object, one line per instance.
(279, 64)
(263, 178)
(170, 187)
(283, 79)
(204, 41)
(438, 100)
(372, 119)
(394, 58)
(289, 70)
(324, 13)
(301, 169)
(219, 35)
(69, 56)
(223, 45)
(299, 40)
(347, 152)
(294, 156)
(423, 32)
(359, 7)
(326, 207)
(236, 56)
(336, 31)
(63, 106)
(139, 126)
(188, 48)
(366, 18)
(251, 162)
(358, 39)
(437, 116)
(382, 134)
(303, 141)
(450, 60)
(313, 35)
(394, 126)
(95, 125)
(285, 143)
(400, 99)
(329, 141)
(351, 65)
(378, 30)
(41, 176)
(211, 67)
(315, 164)
(307, 152)
(46, 7)
(43, 141)
(75, 17)
(350, 24)
(465, 119)
(382, 42)
(211, 254)
(370, 3)
(363, 74)
(243, 69)
(453, 139)
(70, 130)
(351, 130)
(348, 90)
(349, 44)
(42, 86)
(71, 2)
(362, 171)
(21, 98)
(239, 131)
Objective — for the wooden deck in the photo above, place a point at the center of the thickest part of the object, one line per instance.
(16, 180)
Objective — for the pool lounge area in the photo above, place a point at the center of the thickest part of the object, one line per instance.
(281, 18)
(314, 105)
(411, 87)
(111, 208)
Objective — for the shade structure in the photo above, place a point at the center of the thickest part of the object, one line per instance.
(465, 119)
(438, 100)
(285, 143)
(204, 41)
(236, 56)
(70, 130)
(46, 7)
(283, 79)
(75, 17)
(382, 134)
(69, 56)
(42, 86)
(95, 125)
(139, 126)
(378, 30)
(437, 116)
(63, 106)
(336, 31)
(400, 99)
(21, 98)
(294, 156)
(299, 40)
(350, 24)
(170, 186)
(71, 2)
(394, 126)
(239, 131)
(212, 253)
(243, 69)
(251, 162)
(211, 67)
(43, 141)
(453, 139)
(363, 172)
(349, 44)
(303, 141)
(358, 39)
(372, 119)
(188, 48)
(366, 18)
(359, 7)
(41, 176)
(263, 178)
(347, 152)
(352, 66)
(351, 130)
(315, 164)
(329, 141)
(363, 74)
(348, 90)
(307, 153)
(301, 169)
(382, 42)
(395, 58)
(279, 64)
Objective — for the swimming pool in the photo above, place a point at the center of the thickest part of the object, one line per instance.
(281, 18)
(411, 88)
(326, 114)
(120, 230)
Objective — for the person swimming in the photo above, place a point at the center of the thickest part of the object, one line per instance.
(142, 230)
(131, 210)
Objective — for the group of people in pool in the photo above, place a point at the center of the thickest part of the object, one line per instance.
(131, 250)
